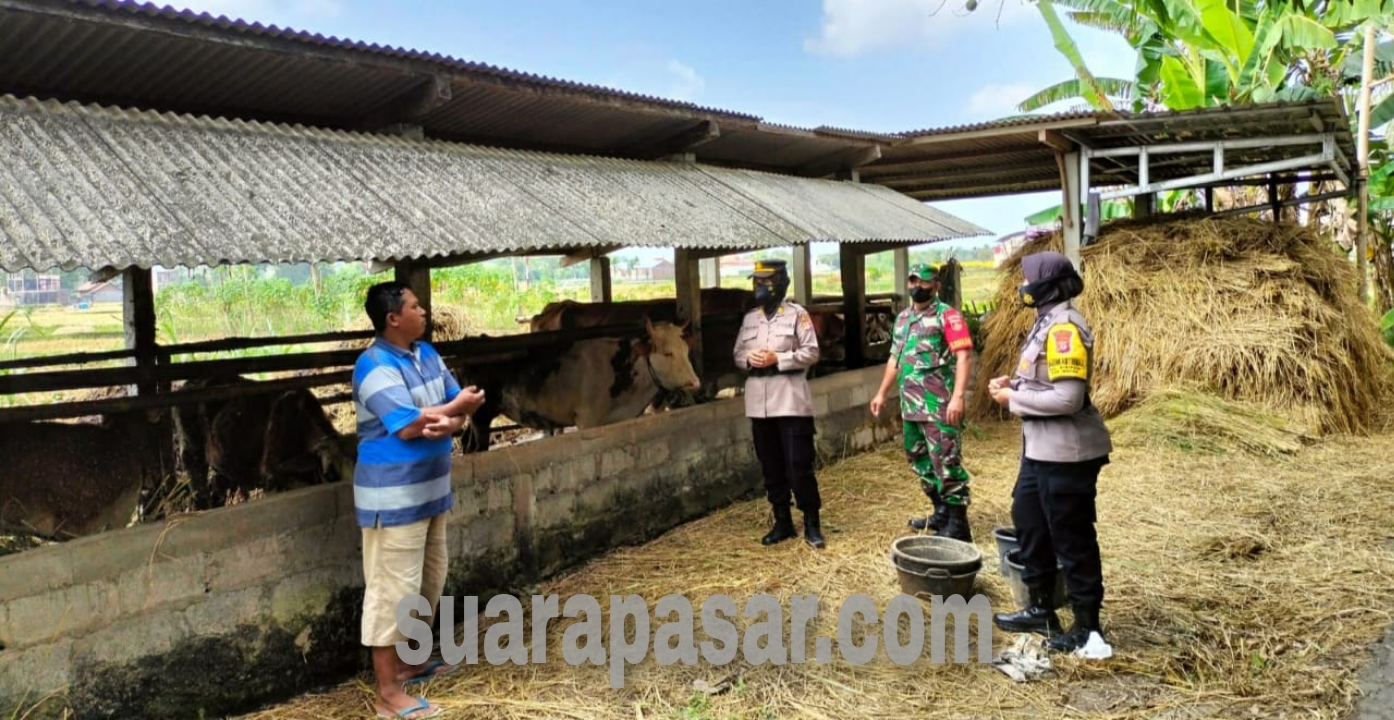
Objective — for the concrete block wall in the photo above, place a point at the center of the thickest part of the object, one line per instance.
(267, 594)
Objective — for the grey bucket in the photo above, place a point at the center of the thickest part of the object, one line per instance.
(1006, 542)
(927, 582)
(1020, 595)
(928, 565)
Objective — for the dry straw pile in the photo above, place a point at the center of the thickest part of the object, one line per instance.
(1237, 308)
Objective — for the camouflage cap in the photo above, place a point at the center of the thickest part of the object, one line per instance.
(923, 271)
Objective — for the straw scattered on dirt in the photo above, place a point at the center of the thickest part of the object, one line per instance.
(1238, 586)
(1240, 308)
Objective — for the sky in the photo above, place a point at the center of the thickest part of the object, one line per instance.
(877, 65)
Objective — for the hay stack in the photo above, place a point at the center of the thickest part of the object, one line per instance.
(1246, 310)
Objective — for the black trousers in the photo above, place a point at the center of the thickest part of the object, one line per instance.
(1054, 513)
(784, 446)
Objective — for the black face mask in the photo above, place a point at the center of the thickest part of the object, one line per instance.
(770, 296)
(921, 295)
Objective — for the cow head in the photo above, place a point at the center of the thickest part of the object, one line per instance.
(668, 355)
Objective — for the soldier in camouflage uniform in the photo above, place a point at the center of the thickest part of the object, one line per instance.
(931, 356)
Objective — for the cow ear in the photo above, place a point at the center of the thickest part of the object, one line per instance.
(642, 348)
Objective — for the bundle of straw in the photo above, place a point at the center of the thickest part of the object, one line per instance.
(1243, 309)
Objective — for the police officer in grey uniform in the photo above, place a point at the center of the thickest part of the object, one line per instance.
(1065, 444)
(776, 346)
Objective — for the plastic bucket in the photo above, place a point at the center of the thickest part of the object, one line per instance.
(921, 553)
(1020, 594)
(934, 581)
(1007, 541)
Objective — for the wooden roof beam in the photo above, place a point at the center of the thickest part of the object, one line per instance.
(684, 141)
(842, 161)
(587, 254)
(920, 164)
(1026, 129)
(411, 106)
(1055, 141)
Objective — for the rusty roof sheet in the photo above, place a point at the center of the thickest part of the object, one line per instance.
(118, 52)
(1008, 156)
(88, 186)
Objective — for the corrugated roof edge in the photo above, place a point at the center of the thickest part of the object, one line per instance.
(1126, 116)
(222, 22)
(312, 131)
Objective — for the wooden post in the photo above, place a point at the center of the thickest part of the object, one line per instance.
(801, 276)
(600, 279)
(1073, 229)
(1362, 239)
(901, 257)
(418, 276)
(853, 267)
(688, 280)
(138, 314)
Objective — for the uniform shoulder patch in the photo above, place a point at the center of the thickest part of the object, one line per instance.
(1066, 356)
(956, 331)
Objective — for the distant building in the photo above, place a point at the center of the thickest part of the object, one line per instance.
(1005, 246)
(36, 290)
(102, 292)
(656, 270)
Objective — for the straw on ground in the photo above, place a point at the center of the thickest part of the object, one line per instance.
(1237, 585)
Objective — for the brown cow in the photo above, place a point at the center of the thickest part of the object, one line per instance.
(589, 383)
(723, 306)
(63, 480)
(275, 441)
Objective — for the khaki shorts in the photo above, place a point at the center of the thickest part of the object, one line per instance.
(400, 561)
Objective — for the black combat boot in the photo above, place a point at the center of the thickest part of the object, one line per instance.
(956, 523)
(1038, 617)
(783, 527)
(1086, 621)
(812, 533)
(937, 520)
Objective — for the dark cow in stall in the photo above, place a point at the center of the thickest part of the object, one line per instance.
(587, 384)
(69, 479)
(723, 305)
(272, 441)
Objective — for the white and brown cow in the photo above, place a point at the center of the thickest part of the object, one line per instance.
(588, 384)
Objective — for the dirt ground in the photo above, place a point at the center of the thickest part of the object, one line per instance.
(1237, 587)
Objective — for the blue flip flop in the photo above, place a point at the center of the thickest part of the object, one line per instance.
(421, 705)
(429, 672)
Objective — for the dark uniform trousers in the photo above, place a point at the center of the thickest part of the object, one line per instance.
(1054, 514)
(784, 447)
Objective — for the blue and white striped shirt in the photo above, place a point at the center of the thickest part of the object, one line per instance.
(400, 481)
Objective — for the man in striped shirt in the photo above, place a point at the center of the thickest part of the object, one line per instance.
(409, 406)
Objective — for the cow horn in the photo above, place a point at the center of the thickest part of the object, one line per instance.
(648, 324)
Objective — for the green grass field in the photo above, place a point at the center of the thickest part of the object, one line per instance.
(262, 307)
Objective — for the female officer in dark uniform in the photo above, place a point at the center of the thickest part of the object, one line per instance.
(1065, 446)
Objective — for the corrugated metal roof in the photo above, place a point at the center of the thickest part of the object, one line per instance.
(86, 186)
(118, 52)
(222, 22)
(1008, 157)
